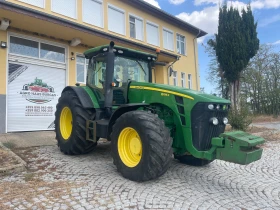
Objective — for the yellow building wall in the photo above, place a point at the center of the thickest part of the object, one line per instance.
(3, 64)
(185, 64)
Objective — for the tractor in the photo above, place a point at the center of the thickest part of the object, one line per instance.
(147, 123)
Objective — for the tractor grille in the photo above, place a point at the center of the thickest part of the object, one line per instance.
(202, 130)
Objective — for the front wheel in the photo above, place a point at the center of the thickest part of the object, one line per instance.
(70, 125)
(141, 146)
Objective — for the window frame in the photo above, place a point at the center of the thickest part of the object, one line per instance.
(39, 41)
(119, 10)
(185, 44)
(169, 31)
(139, 18)
(156, 25)
(190, 81)
(183, 79)
(102, 11)
(175, 78)
(76, 10)
(43, 7)
(85, 68)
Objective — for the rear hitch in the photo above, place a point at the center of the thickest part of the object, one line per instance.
(238, 147)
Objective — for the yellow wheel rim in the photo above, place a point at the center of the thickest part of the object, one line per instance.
(66, 123)
(130, 147)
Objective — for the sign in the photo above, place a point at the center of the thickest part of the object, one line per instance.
(33, 92)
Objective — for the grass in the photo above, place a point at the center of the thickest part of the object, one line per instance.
(29, 177)
(265, 118)
(9, 145)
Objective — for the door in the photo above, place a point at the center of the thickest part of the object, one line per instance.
(36, 78)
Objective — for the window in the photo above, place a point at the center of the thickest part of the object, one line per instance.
(190, 81)
(53, 53)
(152, 34)
(181, 44)
(65, 7)
(36, 49)
(136, 28)
(183, 79)
(24, 47)
(37, 3)
(175, 82)
(81, 69)
(93, 12)
(168, 40)
(116, 20)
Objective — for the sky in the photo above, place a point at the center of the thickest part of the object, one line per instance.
(204, 15)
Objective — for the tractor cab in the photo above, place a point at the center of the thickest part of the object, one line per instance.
(112, 68)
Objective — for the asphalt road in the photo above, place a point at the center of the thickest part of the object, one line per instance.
(272, 125)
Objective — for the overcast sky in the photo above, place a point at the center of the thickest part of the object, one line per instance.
(204, 14)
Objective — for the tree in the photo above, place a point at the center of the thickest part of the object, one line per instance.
(216, 75)
(235, 44)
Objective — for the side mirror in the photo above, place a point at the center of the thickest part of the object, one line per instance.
(170, 71)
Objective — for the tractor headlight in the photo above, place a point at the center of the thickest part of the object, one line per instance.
(218, 107)
(211, 106)
(214, 121)
(225, 120)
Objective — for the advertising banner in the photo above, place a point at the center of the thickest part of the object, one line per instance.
(33, 92)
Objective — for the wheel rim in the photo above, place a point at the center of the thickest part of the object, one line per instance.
(66, 123)
(130, 147)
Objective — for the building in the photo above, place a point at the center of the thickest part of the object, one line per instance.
(42, 45)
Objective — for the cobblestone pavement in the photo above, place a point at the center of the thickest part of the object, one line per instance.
(56, 181)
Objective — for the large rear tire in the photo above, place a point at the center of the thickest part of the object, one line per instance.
(70, 125)
(141, 146)
(192, 161)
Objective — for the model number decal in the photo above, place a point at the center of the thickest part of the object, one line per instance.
(164, 94)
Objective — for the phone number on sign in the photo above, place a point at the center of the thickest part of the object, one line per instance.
(39, 111)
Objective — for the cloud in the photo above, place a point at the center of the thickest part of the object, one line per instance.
(276, 43)
(200, 2)
(265, 4)
(153, 2)
(207, 18)
(255, 4)
(176, 2)
(267, 21)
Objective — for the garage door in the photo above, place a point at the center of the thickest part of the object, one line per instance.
(36, 77)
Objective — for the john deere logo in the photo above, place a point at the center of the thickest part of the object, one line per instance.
(38, 92)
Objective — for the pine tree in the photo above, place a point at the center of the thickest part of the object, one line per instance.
(236, 43)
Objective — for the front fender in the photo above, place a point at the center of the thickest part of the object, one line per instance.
(120, 111)
(85, 95)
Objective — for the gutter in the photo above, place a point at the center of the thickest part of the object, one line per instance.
(194, 49)
(76, 26)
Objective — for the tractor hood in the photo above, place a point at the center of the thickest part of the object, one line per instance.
(179, 91)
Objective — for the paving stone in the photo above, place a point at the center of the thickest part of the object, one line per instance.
(91, 181)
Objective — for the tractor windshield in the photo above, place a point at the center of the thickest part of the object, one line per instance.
(129, 69)
(124, 69)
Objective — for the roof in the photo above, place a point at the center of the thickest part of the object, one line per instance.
(124, 52)
(168, 17)
(77, 26)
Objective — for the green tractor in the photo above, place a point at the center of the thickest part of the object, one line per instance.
(146, 123)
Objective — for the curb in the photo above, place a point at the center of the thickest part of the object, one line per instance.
(15, 168)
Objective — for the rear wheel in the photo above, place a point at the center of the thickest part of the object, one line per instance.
(141, 146)
(70, 125)
(192, 161)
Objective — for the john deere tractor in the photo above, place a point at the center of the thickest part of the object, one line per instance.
(147, 123)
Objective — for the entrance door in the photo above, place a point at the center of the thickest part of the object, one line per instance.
(34, 85)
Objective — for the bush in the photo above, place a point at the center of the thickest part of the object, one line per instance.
(240, 119)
